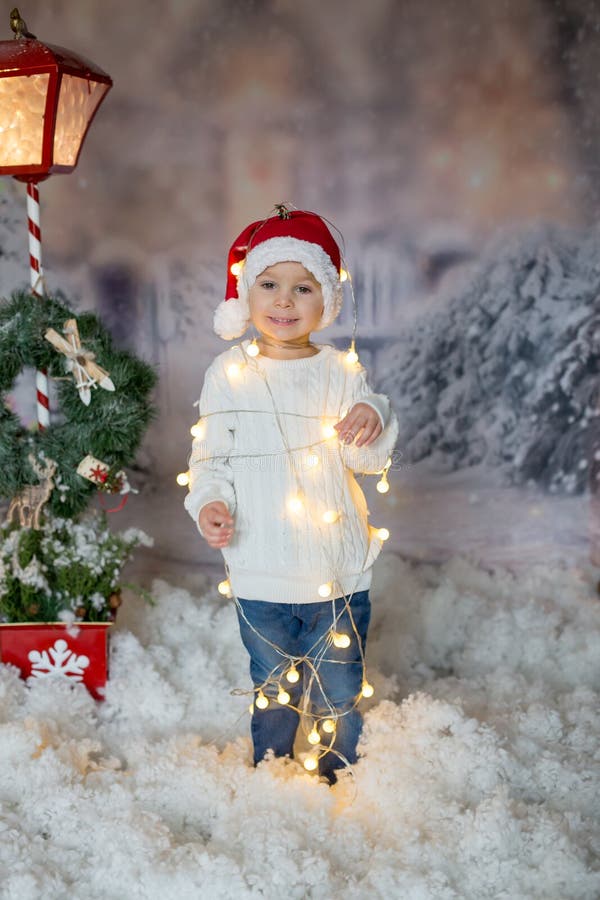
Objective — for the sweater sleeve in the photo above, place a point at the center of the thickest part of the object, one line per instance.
(370, 459)
(211, 475)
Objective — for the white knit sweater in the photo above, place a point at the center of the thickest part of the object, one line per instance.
(263, 443)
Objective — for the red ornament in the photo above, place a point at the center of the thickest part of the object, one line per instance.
(117, 486)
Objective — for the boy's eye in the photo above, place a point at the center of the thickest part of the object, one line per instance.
(267, 284)
(303, 289)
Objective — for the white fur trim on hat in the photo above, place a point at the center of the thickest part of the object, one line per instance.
(232, 316)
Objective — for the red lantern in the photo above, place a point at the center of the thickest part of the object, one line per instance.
(48, 98)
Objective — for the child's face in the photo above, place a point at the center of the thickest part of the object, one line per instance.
(286, 302)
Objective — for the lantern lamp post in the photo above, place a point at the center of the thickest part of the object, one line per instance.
(48, 99)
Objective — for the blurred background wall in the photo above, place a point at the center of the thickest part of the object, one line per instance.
(424, 129)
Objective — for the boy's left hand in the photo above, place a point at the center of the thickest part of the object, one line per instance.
(361, 418)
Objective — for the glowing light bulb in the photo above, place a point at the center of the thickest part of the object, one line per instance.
(198, 429)
(292, 675)
(253, 349)
(234, 370)
(352, 355)
(383, 486)
(295, 504)
(367, 689)
(329, 431)
(314, 737)
(343, 275)
(311, 762)
(261, 701)
(341, 640)
(251, 708)
(183, 478)
(330, 516)
(283, 697)
(324, 590)
(383, 534)
(328, 726)
(224, 588)
(235, 268)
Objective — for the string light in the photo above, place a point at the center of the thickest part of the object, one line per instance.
(343, 275)
(352, 355)
(341, 640)
(295, 503)
(314, 737)
(261, 701)
(235, 268)
(198, 429)
(383, 486)
(292, 675)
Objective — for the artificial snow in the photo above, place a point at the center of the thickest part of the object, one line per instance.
(479, 778)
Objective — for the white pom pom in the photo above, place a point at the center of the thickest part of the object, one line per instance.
(231, 319)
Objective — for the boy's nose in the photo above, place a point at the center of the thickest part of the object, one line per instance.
(284, 298)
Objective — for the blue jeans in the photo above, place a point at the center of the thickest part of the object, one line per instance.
(303, 631)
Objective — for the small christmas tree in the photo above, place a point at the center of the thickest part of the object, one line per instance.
(54, 565)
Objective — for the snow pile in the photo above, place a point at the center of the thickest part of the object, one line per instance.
(480, 777)
(506, 371)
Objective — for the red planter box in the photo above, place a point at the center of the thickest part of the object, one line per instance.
(55, 650)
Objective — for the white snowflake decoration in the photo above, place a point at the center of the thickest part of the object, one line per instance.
(58, 661)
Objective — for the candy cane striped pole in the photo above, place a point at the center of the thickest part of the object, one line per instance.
(36, 275)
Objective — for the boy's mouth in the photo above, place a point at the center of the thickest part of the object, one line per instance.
(282, 321)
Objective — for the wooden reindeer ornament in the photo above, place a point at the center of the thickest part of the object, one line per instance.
(30, 499)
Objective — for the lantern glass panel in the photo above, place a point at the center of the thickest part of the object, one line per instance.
(22, 107)
(78, 101)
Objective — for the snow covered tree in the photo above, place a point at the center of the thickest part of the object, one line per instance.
(506, 372)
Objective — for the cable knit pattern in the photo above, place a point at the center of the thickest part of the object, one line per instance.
(261, 422)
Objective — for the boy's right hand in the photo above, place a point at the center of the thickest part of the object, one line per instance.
(216, 524)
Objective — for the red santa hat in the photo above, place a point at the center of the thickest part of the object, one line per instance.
(287, 236)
